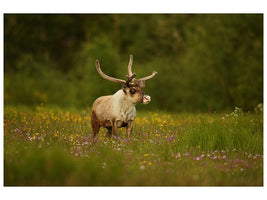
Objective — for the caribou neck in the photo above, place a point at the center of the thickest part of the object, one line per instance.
(125, 103)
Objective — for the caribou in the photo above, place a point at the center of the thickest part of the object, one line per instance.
(118, 110)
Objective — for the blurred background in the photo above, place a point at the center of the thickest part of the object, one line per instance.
(205, 62)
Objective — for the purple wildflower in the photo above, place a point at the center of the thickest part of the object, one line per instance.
(197, 158)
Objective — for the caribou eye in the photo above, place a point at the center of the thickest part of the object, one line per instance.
(132, 91)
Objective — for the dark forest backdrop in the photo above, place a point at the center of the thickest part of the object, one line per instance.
(205, 62)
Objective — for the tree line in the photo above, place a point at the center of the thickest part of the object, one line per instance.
(205, 62)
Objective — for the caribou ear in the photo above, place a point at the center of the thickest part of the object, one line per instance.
(124, 89)
(140, 83)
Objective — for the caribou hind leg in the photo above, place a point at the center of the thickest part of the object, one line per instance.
(109, 131)
(95, 124)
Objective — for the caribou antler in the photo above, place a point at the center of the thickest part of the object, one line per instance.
(130, 73)
(148, 77)
(139, 82)
(116, 80)
(130, 77)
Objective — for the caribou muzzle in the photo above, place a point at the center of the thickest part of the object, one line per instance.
(146, 99)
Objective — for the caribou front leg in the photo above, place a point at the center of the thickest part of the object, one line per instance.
(129, 128)
(114, 128)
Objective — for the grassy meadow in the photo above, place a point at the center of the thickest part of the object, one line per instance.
(50, 147)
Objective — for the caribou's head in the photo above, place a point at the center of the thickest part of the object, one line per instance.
(131, 87)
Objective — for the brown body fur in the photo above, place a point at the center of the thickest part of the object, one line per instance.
(115, 111)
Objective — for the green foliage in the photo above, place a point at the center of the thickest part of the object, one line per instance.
(88, 85)
(36, 84)
(210, 62)
(224, 53)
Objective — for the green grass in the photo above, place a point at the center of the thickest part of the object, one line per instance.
(55, 147)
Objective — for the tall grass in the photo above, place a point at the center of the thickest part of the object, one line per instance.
(55, 147)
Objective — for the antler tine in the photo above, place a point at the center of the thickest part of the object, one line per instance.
(130, 73)
(149, 77)
(129, 79)
(106, 76)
